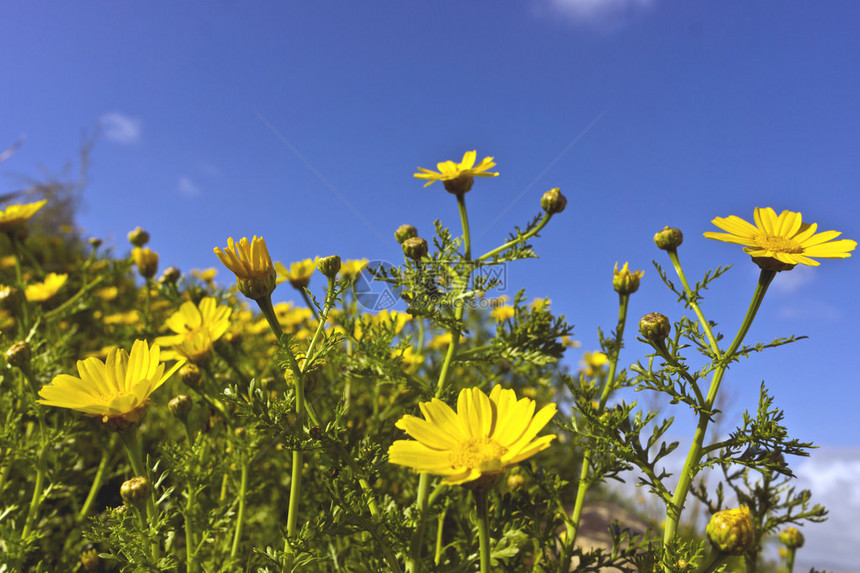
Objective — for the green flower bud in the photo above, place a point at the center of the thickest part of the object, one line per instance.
(329, 266)
(625, 282)
(135, 491)
(404, 232)
(731, 531)
(553, 201)
(170, 276)
(146, 262)
(654, 326)
(180, 406)
(190, 374)
(414, 248)
(669, 238)
(516, 481)
(459, 185)
(791, 538)
(138, 237)
(95, 243)
(18, 355)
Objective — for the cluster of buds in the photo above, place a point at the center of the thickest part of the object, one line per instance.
(405, 232)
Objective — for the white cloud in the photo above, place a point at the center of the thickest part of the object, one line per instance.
(187, 187)
(592, 11)
(810, 310)
(120, 128)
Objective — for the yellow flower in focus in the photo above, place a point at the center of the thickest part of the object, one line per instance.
(14, 217)
(779, 242)
(503, 313)
(350, 269)
(252, 265)
(117, 389)
(484, 437)
(458, 177)
(45, 290)
(146, 261)
(299, 273)
(196, 329)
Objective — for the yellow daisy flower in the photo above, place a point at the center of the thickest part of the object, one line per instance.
(299, 273)
(252, 265)
(779, 242)
(14, 217)
(45, 290)
(205, 275)
(350, 269)
(127, 318)
(458, 177)
(196, 329)
(485, 436)
(117, 389)
(108, 293)
(594, 363)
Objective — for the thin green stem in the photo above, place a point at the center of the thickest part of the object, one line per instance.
(694, 455)
(691, 301)
(67, 304)
(481, 504)
(525, 237)
(440, 528)
(789, 559)
(41, 468)
(240, 514)
(19, 282)
(714, 561)
(131, 441)
(572, 525)
(464, 221)
(97, 480)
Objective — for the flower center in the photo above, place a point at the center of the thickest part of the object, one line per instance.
(777, 244)
(474, 452)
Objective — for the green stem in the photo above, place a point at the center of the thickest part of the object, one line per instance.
(190, 554)
(308, 302)
(481, 504)
(464, 221)
(97, 480)
(572, 526)
(131, 441)
(714, 561)
(19, 282)
(541, 224)
(691, 301)
(63, 307)
(42, 462)
(789, 559)
(690, 469)
(437, 558)
(240, 515)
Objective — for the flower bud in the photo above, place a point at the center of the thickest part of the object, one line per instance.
(95, 242)
(404, 232)
(791, 538)
(414, 248)
(18, 355)
(138, 237)
(180, 406)
(90, 560)
(135, 491)
(170, 276)
(146, 262)
(731, 531)
(624, 282)
(669, 238)
(654, 326)
(553, 201)
(516, 481)
(329, 266)
(190, 375)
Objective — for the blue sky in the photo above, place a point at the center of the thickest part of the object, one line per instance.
(304, 121)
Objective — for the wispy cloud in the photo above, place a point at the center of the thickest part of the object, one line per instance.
(810, 310)
(120, 128)
(594, 11)
(788, 283)
(187, 187)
